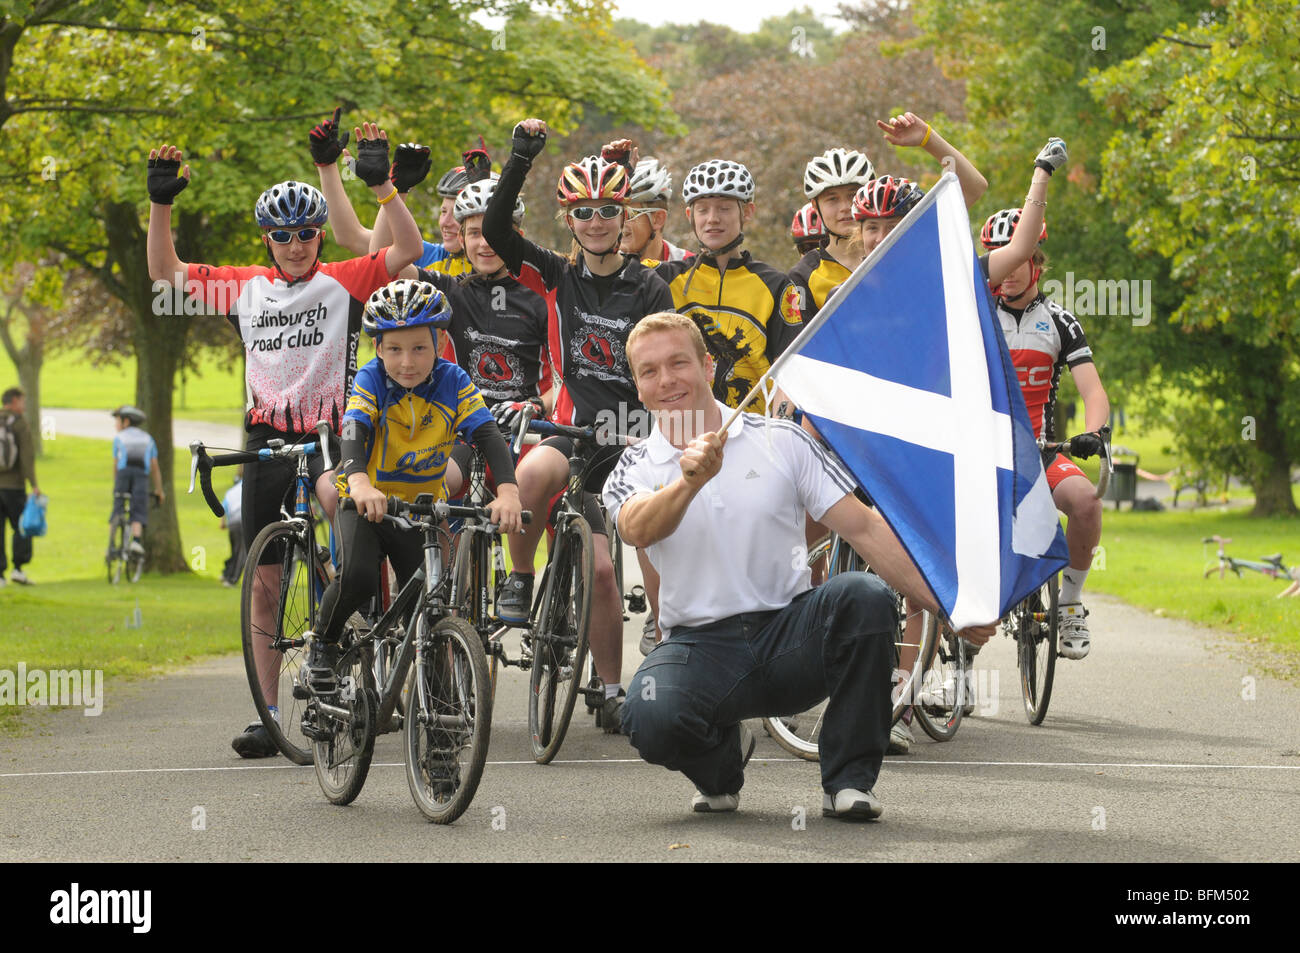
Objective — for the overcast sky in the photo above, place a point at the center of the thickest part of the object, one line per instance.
(742, 15)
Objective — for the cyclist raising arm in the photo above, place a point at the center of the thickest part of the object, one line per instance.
(596, 296)
(299, 319)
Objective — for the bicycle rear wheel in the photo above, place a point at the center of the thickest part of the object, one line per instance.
(342, 750)
(1036, 647)
(450, 722)
(941, 695)
(287, 586)
(560, 639)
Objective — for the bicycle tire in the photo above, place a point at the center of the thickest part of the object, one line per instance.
(116, 556)
(453, 671)
(295, 613)
(560, 639)
(1037, 647)
(343, 758)
(937, 718)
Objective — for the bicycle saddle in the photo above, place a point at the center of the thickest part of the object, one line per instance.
(1275, 559)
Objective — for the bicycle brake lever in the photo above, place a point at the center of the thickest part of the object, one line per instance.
(525, 415)
(196, 446)
(323, 432)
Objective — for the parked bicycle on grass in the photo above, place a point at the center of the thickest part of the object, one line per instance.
(1271, 566)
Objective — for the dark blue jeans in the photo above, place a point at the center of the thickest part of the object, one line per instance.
(686, 701)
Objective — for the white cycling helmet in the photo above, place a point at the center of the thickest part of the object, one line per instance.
(473, 200)
(836, 167)
(718, 177)
(651, 182)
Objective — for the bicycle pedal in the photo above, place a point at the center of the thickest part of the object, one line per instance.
(636, 600)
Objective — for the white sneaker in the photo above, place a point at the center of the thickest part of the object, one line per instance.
(135, 548)
(3, 582)
(950, 693)
(852, 804)
(19, 577)
(900, 738)
(1075, 641)
(714, 803)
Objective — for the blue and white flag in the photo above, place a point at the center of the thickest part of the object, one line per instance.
(906, 375)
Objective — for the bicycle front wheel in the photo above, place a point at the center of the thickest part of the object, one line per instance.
(1036, 647)
(450, 722)
(343, 748)
(560, 639)
(941, 695)
(284, 593)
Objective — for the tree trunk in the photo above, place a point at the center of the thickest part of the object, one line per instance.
(1271, 479)
(28, 360)
(159, 346)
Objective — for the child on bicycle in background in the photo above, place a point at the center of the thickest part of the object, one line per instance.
(404, 412)
(135, 462)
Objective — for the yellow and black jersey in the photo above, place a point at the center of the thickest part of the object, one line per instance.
(453, 265)
(749, 313)
(410, 433)
(816, 275)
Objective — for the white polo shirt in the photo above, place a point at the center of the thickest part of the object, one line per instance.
(740, 546)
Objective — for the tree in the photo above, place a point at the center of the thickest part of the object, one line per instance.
(87, 88)
(1209, 118)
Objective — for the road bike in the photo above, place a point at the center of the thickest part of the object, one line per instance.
(286, 570)
(1271, 566)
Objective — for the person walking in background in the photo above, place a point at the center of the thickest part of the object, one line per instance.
(17, 469)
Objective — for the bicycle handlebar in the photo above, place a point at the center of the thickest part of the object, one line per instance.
(201, 463)
(1108, 463)
(398, 508)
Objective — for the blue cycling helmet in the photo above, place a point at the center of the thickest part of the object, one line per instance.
(405, 303)
(291, 205)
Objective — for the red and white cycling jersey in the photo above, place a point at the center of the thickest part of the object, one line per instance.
(1042, 339)
(301, 338)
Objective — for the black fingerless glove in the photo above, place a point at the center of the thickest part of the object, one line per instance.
(325, 142)
(411, 164)
(372, 161)
(478, 165)
(1085, 445)
(525, 145)
(164, 181)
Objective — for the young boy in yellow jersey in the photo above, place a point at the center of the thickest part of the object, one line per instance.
(405, 410)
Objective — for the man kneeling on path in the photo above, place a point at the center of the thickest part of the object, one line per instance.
(745, 635)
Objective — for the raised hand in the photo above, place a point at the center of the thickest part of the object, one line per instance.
(372, 154)
(1053, 156)
(411, 163)
(529, 139)
(905, 130)
(325, 142)
(164, 182)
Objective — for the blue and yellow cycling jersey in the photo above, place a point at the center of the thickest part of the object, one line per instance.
(412, 431)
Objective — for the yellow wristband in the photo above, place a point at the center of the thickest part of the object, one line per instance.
(927, 135)
(389, 197)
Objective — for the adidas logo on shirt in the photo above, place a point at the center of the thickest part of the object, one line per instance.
(751, 475)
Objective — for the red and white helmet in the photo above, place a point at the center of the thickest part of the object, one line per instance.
(720, 177)
(807, 224)
(592, 177)
(886, 197)
(836, 167)
(999, 228)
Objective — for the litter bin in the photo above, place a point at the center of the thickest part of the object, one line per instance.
(1123, 482)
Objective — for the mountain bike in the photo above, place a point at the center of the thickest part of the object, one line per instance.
(1033, 621)
(288, 568)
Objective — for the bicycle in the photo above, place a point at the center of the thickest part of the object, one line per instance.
(121, 561)
(1033, 621)
(447, 727)
(1271, 566)
(799, 733)
(297, 569)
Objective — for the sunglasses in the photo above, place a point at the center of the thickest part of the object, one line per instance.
(282, 236)
(585, 213)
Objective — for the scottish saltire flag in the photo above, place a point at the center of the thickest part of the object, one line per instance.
(905, 373)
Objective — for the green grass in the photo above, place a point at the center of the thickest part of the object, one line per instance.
(1156, 560)
(72, 617)
(66, 382)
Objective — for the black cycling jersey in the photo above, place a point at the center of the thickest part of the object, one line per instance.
(816, 275)
(588, 333)
(498, 328)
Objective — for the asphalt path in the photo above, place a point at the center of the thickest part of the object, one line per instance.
(1158, 747)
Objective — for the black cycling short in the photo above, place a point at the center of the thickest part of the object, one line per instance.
(134, 482)
(266, 483)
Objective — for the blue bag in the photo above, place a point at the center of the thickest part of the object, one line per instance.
(32, 522)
